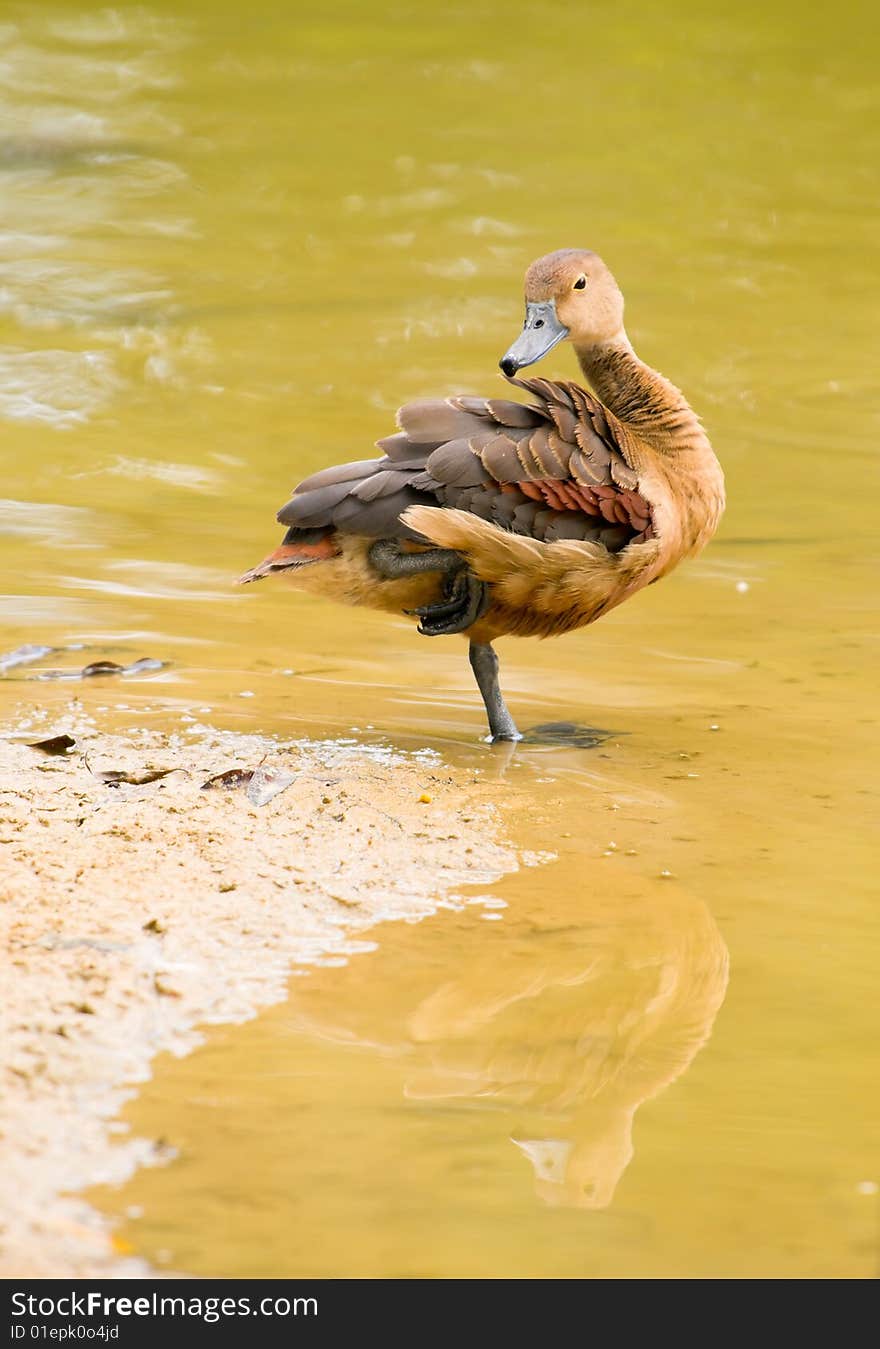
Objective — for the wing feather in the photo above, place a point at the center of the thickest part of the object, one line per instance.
(554, 468)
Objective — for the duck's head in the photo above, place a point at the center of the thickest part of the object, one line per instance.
(571, 296)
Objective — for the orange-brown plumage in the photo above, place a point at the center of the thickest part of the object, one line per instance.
(561, 507)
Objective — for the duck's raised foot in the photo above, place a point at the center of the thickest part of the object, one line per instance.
(466, 600)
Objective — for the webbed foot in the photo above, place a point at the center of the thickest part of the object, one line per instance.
(465, 600)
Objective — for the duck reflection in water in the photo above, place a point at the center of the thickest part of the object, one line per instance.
(563, 1022)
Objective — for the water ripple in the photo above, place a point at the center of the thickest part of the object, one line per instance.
(84, 166)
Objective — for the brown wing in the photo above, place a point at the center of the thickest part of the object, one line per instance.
(550, 469)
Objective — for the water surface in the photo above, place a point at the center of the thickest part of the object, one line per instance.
(229, 250)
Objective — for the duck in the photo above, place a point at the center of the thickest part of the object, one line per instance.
(494, 517)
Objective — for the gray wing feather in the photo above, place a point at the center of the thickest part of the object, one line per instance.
(492, 457)
(437, 420)
(456, 464)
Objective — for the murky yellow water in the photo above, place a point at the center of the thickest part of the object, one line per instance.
(230, 246)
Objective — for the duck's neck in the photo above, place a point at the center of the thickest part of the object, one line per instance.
(642, 399)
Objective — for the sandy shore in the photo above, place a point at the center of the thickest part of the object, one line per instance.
(133, 914)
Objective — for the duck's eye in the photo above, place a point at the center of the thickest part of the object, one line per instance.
(580, 284)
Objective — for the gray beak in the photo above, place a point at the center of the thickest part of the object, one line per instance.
(541, 332)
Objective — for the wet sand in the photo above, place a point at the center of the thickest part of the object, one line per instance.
(133, 914)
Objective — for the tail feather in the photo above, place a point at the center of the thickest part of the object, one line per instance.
(298, 553)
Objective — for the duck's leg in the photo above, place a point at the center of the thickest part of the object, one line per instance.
(484, 663)
(465, 597)
(390, 561)
(466, 600)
